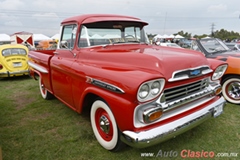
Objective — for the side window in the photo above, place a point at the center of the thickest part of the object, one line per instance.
(68, 36)
(83, 40)
(132, 32)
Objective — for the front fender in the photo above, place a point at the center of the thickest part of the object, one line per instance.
(121, 108)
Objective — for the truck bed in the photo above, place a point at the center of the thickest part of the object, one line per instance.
(41, 59)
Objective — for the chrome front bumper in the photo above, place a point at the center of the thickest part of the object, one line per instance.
(16, 73)
(162, 133)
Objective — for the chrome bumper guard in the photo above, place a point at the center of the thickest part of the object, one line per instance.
(162, 133)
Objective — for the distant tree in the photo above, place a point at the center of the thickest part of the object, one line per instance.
(224, 34)
(221, 34)
(200, 36)
(150, 36)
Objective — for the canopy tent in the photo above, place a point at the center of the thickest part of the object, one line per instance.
(39, 37)
(56, 36)
(206, 37)
(171, 36)
(168, 36)
(158, 36)
(4, 37)
(178, 36)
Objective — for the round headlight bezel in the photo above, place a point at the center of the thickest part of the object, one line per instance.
(155, 88)
(219, 72)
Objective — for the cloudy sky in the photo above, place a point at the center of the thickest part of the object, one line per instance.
(164, 16)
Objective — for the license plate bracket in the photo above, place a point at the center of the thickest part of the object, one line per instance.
(218, 110)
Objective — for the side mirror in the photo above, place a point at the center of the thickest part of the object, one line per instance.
(64, 44)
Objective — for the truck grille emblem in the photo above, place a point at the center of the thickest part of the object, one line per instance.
(195, 72)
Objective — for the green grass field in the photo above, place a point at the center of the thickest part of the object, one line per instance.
(35, 129)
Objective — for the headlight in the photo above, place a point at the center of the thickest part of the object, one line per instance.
(150, 90)
(155, 88)
(219, 71)
(144, 91)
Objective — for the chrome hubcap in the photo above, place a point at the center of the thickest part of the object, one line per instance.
(104, 124)
(234, 90)
(42, 86)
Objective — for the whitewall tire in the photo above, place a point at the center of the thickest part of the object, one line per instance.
(44, 92)
(104, 126)
(231, 90)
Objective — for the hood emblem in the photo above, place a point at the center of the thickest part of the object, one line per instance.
(195, 72)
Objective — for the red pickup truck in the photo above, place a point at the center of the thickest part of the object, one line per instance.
(136, 93)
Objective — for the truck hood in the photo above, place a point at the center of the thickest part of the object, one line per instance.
(154, 60)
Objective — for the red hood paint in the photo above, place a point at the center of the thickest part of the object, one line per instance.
(152, 59)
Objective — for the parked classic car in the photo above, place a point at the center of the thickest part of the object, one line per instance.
(216, 49)
(13, 60)
(170, 45)
(185, 43)
(233, 46)
(136, 93)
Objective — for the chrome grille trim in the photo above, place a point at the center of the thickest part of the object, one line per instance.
(181, 95)
(179, 92)
(183, 101)
(186, 73)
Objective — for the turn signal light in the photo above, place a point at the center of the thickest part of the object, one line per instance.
(1, 67)
(218, 90)
(152, 114)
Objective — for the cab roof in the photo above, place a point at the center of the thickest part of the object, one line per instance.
(91, 18)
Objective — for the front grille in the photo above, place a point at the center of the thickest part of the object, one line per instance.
(179, 92)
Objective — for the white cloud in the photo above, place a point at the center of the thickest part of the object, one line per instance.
(218, 9)
(11, 4)
(13, 23)
(45, 16)
(195, 16)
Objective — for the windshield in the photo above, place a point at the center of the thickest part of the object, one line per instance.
(104, 33)
(214, 45)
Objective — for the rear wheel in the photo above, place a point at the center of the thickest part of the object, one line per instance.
(231, 89)
(104, 126)
(44, 92)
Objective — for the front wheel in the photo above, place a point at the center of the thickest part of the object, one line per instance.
(231, 89)
(44, 92)
(104, 126)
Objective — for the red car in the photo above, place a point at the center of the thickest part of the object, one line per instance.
(138, 94)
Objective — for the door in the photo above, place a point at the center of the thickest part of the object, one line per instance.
(61, 64)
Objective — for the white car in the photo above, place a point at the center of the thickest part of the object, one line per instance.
(170, 45)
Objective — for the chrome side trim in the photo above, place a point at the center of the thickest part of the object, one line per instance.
(104, 85)
(167, 131)
(37, 67)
